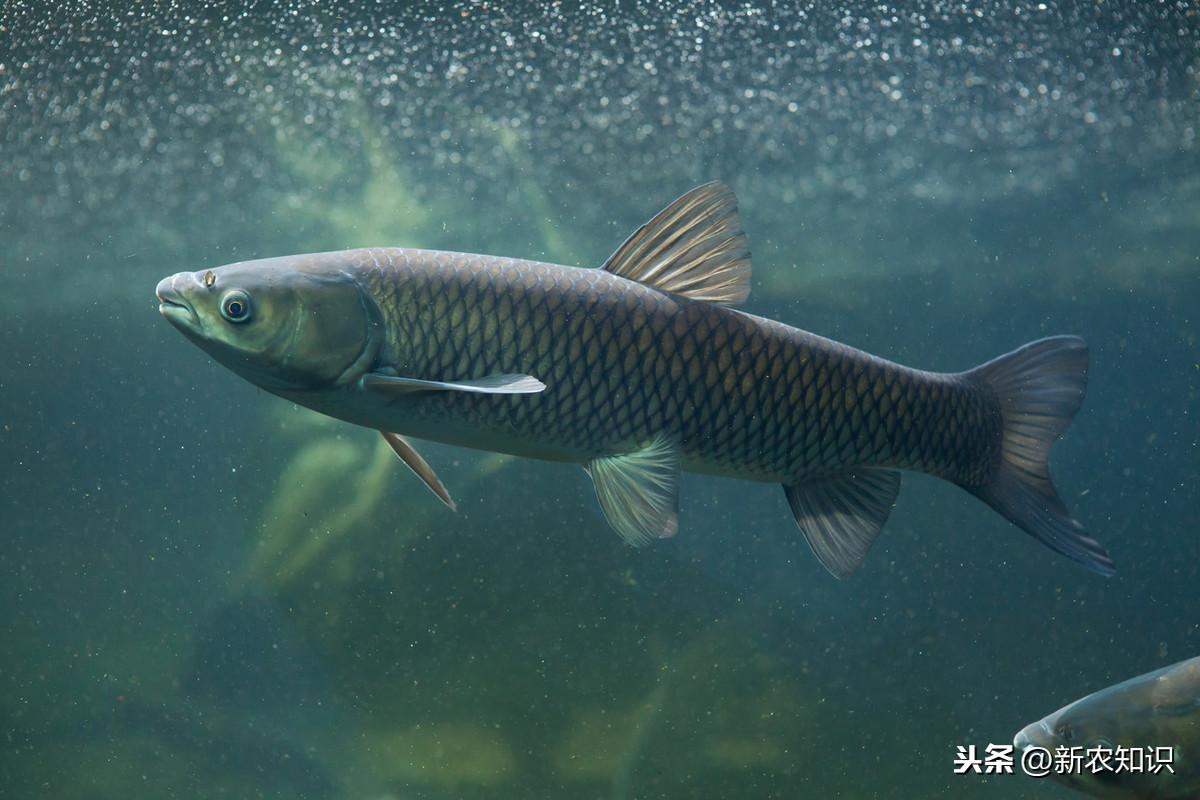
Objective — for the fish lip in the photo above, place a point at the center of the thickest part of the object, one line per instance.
(175, 310)
(172, 305)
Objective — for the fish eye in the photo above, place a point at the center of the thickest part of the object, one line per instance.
(1065, 732)
(235, 306)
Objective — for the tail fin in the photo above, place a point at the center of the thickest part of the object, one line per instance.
(1040, 387)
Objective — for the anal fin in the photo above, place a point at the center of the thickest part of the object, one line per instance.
(639, 491)
(840, 515)
(412, 459)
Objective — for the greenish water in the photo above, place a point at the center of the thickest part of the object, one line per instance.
(209, 592)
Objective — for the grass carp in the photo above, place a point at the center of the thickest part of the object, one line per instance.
(637, 371)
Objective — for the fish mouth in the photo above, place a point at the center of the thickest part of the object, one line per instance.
(1037, 734)
(172, 305)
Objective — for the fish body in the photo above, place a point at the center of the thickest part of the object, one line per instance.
(638, 371)
(622, 363)
(1160, 709)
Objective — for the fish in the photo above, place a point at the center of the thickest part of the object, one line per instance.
(637, 371)
(1160, 709)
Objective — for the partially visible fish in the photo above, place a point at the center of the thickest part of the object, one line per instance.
(637, 371)
(1160, 709)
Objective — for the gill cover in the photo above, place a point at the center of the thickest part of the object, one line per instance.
(332, 331)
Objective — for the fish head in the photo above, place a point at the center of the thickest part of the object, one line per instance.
(285, 324)
(1079, 725)
(1160, 709)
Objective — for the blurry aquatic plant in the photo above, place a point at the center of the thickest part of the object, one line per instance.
(350, 199)
(516, 147)
(325, 492)
(450, 756)
(335, 489)
(642, 721)
(743, 708)
(364, 197)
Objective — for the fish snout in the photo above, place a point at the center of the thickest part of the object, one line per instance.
(1037, 734)
(172, 301)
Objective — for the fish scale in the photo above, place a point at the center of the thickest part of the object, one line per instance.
(741, 395)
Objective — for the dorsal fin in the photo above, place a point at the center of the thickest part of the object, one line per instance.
(694, 247)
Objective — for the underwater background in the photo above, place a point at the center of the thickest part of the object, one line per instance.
(207, 591)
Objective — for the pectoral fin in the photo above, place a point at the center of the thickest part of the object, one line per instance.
(639, 491)
(1182, 708)
(412, 458)
(841, 515)
(507, 383)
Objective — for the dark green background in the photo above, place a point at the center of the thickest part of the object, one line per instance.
(999, 176)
